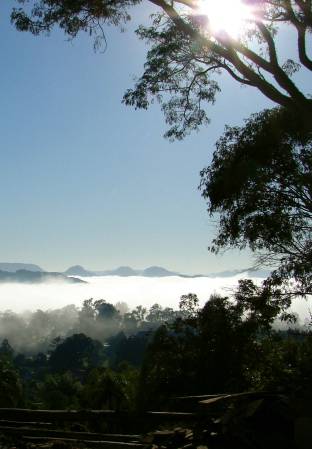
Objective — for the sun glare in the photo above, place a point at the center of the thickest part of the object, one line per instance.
(230, 16)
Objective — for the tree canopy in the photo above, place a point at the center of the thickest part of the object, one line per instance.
(260, 185)
(76, 353)
(187, 55)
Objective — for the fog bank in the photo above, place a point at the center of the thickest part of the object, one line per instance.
(135, 290)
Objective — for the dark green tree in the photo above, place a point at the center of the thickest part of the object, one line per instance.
(60, 391)
(259, 185)
(158, 315)
(77, 353)
(169, 366)
(11, 387)
(6, 351)
(189, 305)
(129, 349)
(108, 389)
(105, 311)
(220, 349)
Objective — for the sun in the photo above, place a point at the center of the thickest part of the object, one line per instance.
(230, 16)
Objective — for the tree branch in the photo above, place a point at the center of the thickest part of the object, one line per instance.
(228, 50)
(235, 76)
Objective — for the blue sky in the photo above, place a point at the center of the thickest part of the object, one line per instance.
(85, 179)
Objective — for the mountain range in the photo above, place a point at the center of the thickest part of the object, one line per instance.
(124, 271)
(155, 271)
(18, 272)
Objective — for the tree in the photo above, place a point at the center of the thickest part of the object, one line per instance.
(98, 319)
(134, 320)
(221, 349)
(106, 311)
(108, 389)
(157, 314)
(187, 55)
(138, 314)
(130, 349)
(11, 388)
(188, 305)
(259, 184)
(77, 353)
(6, 350)
(169, 365)
(60, 391)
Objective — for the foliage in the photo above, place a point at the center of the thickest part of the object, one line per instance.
(60, 391)
(129, 349)
(11, 389)
(189, 305)
(98, 310)
(72, 16)
(227, 346)
(259, 184)
(186, 58)
(284, 363)
(112, 390)
(77, 353)
(135, 319)
(224, 348)
(34, 332)
(6, 351)
(142, 319)
(168, 366)
(157, 314)
(98, 319)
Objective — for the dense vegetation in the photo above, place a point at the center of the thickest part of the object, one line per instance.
(142, 359)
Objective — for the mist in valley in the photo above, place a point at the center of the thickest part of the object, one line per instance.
(32, 316)
(133, 290)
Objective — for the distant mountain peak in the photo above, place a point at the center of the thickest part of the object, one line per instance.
(124, 271)
(155, 271)
(77, 270)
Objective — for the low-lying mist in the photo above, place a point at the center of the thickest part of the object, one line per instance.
(32, 315)
(134, 290)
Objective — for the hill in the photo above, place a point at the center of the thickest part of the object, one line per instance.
(14, 267)
(35, 277)
(158, 272)
(78, 270)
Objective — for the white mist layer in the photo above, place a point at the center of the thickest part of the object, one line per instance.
(135, 290)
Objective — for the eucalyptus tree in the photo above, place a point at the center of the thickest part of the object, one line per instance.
(189, 48)
(259, 185)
